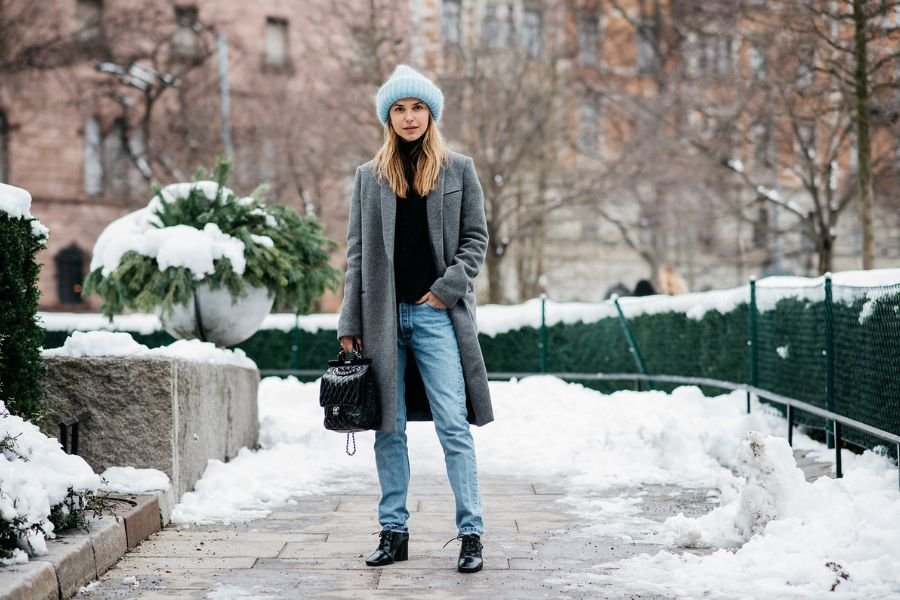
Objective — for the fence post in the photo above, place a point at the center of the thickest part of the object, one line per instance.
(632, 343)
(295, 343)
(542, 345)
(829, 359)
(838, 439)
(752, 339)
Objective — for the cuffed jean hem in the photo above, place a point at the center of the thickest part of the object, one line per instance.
(470, 531)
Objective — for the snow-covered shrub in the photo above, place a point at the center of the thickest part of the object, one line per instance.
(202, 232)
(21, 237)
(42, 489)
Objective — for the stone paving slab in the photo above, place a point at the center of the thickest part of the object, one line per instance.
(530, 550)
(314, 547)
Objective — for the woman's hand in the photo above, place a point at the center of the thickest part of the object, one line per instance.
(349, 341)
(433, 301)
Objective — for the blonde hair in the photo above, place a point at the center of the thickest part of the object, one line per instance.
(389, 162)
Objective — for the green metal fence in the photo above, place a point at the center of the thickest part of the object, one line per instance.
(830, 346)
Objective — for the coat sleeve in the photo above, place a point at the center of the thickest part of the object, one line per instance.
(473, 241)
(350, 320)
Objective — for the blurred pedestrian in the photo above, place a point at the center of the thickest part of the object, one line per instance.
(644, 288)
(670, 282)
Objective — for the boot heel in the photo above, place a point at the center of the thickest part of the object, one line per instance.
(402, 552)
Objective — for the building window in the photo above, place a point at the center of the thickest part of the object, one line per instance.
(93, 158)
(645, 41)
(451, 22)
(531, 30)
(589, 126)
(805, 74)
(276, 42)
(187, 23)
(757, 63)
(710, 54)
(70, 274)
(761, 228)
(588, 37)
(116, 162)
(498, 25)
(89, 20)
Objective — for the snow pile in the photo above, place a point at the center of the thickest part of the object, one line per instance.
(16, 203)
(98, 343)
(36, 476)
(176, 246)
(299, 457)
(623, 439)
(805, 539)
(770, 489)
(128, 480)
(109, 343)
(772, 480)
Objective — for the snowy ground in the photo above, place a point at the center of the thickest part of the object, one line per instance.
(781, 536)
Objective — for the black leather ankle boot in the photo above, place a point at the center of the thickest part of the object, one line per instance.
(470, 560)
(392, 546)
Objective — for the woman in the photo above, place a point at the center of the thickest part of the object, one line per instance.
(416, 239)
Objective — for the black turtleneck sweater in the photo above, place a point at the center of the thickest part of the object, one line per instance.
(414, 270)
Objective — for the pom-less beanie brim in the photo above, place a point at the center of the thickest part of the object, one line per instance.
(406, 82)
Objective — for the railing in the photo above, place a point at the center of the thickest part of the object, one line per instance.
(819, 354)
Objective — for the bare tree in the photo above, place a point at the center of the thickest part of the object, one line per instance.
(34, 38)
(861, 39)
(158, 74)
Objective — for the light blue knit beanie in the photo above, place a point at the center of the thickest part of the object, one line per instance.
(406, 82)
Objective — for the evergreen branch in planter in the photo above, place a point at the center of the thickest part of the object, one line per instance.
(282, 251)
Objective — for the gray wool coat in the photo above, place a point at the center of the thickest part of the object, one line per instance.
(458, 233)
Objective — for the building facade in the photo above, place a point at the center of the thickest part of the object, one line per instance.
(567, 106)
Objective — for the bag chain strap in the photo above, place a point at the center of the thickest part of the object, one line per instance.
(347, 446)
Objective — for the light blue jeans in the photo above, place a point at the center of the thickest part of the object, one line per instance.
(429, 333)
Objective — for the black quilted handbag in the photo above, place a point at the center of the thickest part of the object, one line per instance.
(349, 396)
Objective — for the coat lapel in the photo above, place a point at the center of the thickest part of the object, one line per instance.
(388, 218)
(435, 209)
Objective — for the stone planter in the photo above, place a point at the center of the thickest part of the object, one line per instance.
(213, 316)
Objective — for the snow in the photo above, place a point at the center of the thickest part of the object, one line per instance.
(89, 588)
(263, 240)
(805, 539)
(495, 319)
(128, 480)
(109, 343)
(36, 475)
(16, 203)
(623, 439)
(176, 246)
(135, 323)
(783, 351)
(176, 191)
(780, 536)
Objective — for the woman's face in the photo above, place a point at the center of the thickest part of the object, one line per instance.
(409, 118)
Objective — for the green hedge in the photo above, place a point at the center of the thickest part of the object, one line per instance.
(21, 369)
(790, 346)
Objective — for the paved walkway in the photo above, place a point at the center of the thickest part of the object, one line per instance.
(315, 548)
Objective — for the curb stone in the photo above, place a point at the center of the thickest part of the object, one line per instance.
(76, 558)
